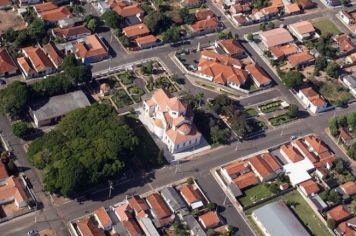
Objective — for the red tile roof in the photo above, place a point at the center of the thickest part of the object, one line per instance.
(346, 136)
(158, 206)
(90, 47)
(203, 14)
(132, 227)
(6, 63)
(191, 194)
(292, 8)
(210, 219)
(292, 153)
(53, 54)
(71, 31)
(258, 74)
(300, 58)
(56, 14)
(136, 30)
(232, 46)
(276, 37)
(87, 228)
(339, 213)
(3, 171)
(137, 203)
(38, 58)
(236, 167)
(265, 164)
(146, 40)
(305, 151)
(349, 188)
(313, 96)
(103, 216)
(201, 25)
(310, 187)
(303, 27)
(345, 44)
(126, 11)
(245, 180)
(46, 6)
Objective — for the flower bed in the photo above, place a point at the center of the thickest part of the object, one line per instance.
(271, 107)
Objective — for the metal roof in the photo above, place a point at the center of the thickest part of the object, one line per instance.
(173, 199)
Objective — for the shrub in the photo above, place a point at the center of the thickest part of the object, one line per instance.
(20, 129)
(190, 180)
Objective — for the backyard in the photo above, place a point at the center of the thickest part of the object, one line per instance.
(332, 90)
(326, 26)
(254, 194)
(302, 210)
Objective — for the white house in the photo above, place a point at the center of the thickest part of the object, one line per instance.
(346, 17)
(312, 100)
(172, 121)
(350, 82)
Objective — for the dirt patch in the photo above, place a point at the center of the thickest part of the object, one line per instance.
(10, 19)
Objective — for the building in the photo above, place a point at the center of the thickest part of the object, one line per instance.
(123, 212)
(205, 26)
(246, 180)
(28, 2)
(265, 166)
(147, 226)
(276, 219)
(5, 4)
(258, 75)
(306, 4)
(172, 121)
(104, 89)
(203, 14)
(299, 172)
(7, 65)
(137, 204)
(301, 59)
(91, 49)
(309, 187)
(147, 41)
(345, 44)
(290, 153)
(192, 196)
(347, 17)
(132, 228)
(339, 214)
(190, 3)
(348, 188)
(241, 20)
(232, 48)
(312, 100)
(345, 136)
(173, 199)
(71, 33)
(292, 9)
(12, 191)
(276, 37)
(240, 8)
(53, 54)
(103, 219)
(136, 31)
(87, 226)
(51, 13)
(281, 52)
(350, 82)
(194, 226)
(302, 30)
(56, 107)
(159, 210)
(347, 228)
(209, 220)
(132, 13)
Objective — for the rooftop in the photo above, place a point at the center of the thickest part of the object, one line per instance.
(276, 37)
(303, 27)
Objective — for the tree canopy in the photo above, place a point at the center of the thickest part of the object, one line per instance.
(14, 98)
(111, 19)
(292, 79)
(333, 70)
(88, 146)
(157, 22)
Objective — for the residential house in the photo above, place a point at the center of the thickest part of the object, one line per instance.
(246, 180)
(137, 204)
(265, 166)
(239, 8)
(276, 37)
(345, 136)
(319, 149)
(192, 196)
(132, 228)
(3, 173)
(46, 6)
(51, 13)
(205, 26)
(312, 100)
(147, 41)
(232, 48)
(339, 214)
(103, 219)
(173, 199)
(5, 4)
(190, 3)
(348, 189)
(87, 226)
(159, 210)
(241, 20)
(132, 13)
(12, 191)
(259, 77)
(194, 227)
(136, 31)
(28, 2)
(7, 65)
(147, 226)
(123, 212)
(234, 169)
(172, 121)
(69, 22)
(306, 4)
(302, 30)
(350, 59)
(71, 33)
(309, 187)
(350, 82)
(281, 52)
(26, 70)
(53, 54)
(269, 12)
(91, 49)
(347, 17)
(347, 228)
(301, 59)
(346, 47)
(104, 89)
(203, 14)
(290, 153)
(292, 9)
(210, 220)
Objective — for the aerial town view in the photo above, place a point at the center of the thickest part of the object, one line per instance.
(177, 117)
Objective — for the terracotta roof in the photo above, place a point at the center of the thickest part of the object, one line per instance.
(137, 203)
(88, 228)
(38, 58)
(292, 8)
(5, 2)
(90, 47)
(176, 105)
(205, 24)
(313, 96)
(303, 27)
(103, 216)
(136, 30)
(190, 194)
(46, 6)
(53, 54)
(132, 227)
(232, 46)
(300, 58)
(241, 19)
(264, 164)
(236, 167)
(339, 213)
(210, 219)
(220, 58)
(286, 50)
(306, 4)
(203, 14)
(270, 10)
(258, 74)
(13, 189)
(3, 171)
(245, 180)
(345, 43)
(345, 229)
(277, 3)
(161, 98)
(6, 62)
(71, 31)
(292, 153)
(349, 188)
(158, 206)
(146, 39)
(123, 211)
(352, 57)
(177, 137)
(276, 37)
(56, 14)
(316, 144)
(345, 135)
(159, 123)
(126, 11)
(241, 8)
(305, 151)
(310, 187)
(24, 64)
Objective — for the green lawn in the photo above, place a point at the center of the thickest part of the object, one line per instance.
(303, 211)
(254, 194)
(251, 112)
(326, 26)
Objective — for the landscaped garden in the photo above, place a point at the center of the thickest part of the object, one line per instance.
(126, 78)
(281, 119)
(111, 81)
(121, 99)
(271, 106)
(136, 93)
(161, 82)
(256, 126)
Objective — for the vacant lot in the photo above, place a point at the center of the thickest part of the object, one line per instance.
(254, 194)
(9, 19)
(326, 26)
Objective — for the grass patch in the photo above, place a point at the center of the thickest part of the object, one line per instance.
(326, 26)
(281, 119)
(251, 112)
(333, 91)
(121, 99)
(271, 106)
(254, 194)
(302, 210)
(146, 153)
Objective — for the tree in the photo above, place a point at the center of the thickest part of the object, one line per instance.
(292, 79)
(339, 165)
(211, 206)
(157, 22)
(238, 122)
(195, 212)
(352, 151)
(190, 180)
(293, 111)
(320, 64)
(331, 223)
(224, 35)
(270, 25)
(21, 39)
(218, 135)
(345, 2)
(250, 37)
(77, 9)
(125, 41)
(220, 104)
(186, 16)
(351, 120)
(333, 70)
(73, 69)
(37, 31)
(111, 19)
(263, 26)
(333, 126)
(14, 98)
(92, 24)
(9, 35)
(171, 34)
(147, 68)
(210, 232)
(20, 129)
(274, 188)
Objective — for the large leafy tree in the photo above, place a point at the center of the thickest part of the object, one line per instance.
(111, 19)
(87, 147)
(157, 22)
(14, 98)
(292, 79)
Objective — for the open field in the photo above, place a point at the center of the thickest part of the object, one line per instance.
(9, 19)
(254, 194)
(326, 26)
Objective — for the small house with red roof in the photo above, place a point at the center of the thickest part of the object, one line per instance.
(7, 65)
(309, 187)
(339, 214)
(103, 218)
(312, 100)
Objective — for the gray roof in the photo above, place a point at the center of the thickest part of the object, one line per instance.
(59, 105)
(194, 226)
(351, 79)
(278, 220)
(149, 226)
(173, 199)
(318, 202)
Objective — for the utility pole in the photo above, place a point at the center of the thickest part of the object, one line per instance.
(111, 187)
